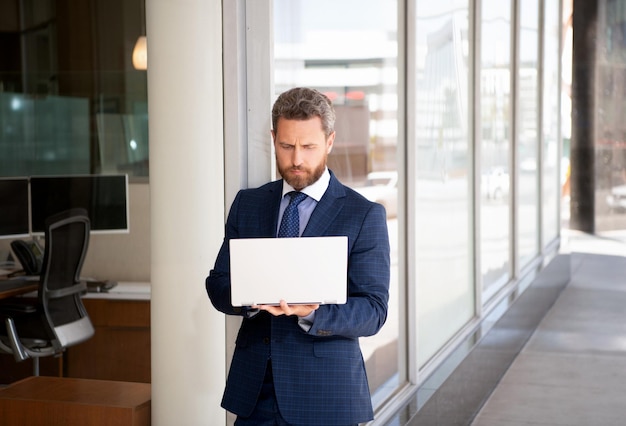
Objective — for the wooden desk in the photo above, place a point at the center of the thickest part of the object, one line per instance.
(43, 401)
(28, 287)
(120, 348)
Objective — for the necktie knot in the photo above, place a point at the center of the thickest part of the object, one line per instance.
(290, 223)
(296, 197)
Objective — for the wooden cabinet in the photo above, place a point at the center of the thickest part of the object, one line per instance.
(12, 371)
(120, 347)
(62, 401)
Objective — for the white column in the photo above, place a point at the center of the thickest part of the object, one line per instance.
(187, 209)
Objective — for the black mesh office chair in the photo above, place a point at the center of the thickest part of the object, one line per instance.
(57, 319)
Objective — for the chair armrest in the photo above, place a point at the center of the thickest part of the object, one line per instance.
(81, 287)
(16, 308)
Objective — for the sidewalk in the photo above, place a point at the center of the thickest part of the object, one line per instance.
(572, 370)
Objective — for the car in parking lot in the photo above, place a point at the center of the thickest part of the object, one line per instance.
(382, 187)
(495, 183)
(616, 199)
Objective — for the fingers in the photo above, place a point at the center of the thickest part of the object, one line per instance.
(274, 310)
(286, 309)
(282, 309)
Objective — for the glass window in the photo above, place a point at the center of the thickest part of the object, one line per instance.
(349, 51)
(495, 145)
(442, 198)
(71, 101)
(528, 133)
(551, 82)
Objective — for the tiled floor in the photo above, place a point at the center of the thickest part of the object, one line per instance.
(572, 370)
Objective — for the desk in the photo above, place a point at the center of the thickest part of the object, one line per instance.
(45, 400)
(20, 284)
(29, 286)
(119, 350)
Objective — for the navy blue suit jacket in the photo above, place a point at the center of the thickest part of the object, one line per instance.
(319, 375)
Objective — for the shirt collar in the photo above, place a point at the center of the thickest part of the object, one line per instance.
(315, 190)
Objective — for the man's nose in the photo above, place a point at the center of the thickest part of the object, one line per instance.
(297, 156)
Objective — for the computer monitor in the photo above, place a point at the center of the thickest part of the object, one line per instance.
(105, 197)
(14, 207)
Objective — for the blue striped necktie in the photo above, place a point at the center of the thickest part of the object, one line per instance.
(290, 223)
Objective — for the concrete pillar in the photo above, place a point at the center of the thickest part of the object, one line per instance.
(187, 209)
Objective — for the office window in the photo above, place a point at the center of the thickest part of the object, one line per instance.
(528, 133)
(348, 50)
(551, 179)
(496, 145)
(442, 199)
(71, 101)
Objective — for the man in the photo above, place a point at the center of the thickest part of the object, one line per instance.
(302, 364)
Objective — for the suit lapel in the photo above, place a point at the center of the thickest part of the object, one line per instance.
(327, 209)
(268, 219)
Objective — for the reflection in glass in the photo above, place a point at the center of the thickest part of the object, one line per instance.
(43, 135)
(550, 123)
(67, 67)
(495, 145)
(444, 296)
(123, 143)
(527, 133)
(348, 50)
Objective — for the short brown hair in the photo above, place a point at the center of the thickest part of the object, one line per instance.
(301, 103)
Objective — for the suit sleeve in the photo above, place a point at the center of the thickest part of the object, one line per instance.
(218, 281)
(368, 283)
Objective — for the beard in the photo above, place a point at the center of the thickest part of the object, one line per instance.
(309, 177)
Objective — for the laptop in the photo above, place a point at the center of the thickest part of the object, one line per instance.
(306, 270)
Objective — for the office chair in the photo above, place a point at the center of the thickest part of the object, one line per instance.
(30, 261)
(57, 318)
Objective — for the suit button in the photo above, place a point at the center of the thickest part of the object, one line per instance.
(266, 340)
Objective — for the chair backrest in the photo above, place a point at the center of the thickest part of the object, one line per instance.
(66, 243)
(31, 263)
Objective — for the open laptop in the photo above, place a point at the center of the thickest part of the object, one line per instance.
(307, 270)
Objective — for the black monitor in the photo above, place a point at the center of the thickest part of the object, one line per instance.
(14, 207)
(105, 197)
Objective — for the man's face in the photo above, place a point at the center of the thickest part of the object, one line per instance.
(301, 150)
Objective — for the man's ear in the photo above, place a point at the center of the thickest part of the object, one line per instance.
(330, 143)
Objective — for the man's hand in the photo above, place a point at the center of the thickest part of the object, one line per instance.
(285, 309)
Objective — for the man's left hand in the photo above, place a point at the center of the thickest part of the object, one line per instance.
(285, 309)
